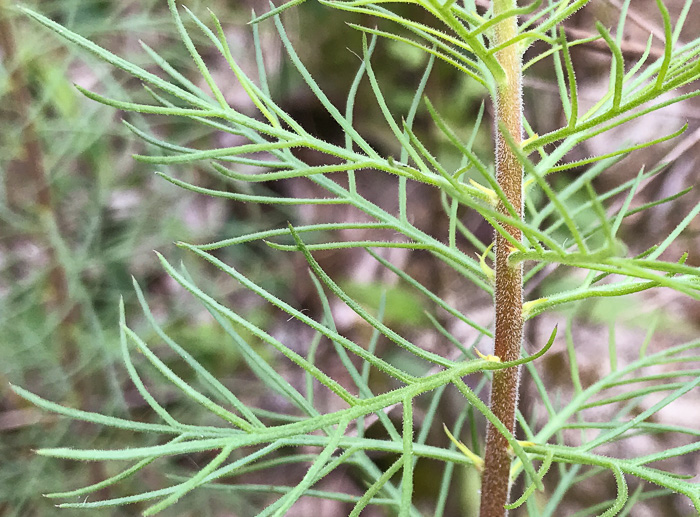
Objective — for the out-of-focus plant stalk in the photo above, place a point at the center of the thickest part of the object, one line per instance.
(495, 487)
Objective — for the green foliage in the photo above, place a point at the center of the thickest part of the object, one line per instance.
(65, 245)
(569, 230)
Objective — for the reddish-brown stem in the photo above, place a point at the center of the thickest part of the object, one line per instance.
(495, 486)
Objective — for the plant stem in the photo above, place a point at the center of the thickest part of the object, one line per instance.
(495, 487)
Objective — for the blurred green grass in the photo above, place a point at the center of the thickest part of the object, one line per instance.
(78, 217)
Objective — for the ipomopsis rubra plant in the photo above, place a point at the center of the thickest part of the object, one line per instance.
(532, 239)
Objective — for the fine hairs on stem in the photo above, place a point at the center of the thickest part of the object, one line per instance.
(373, 407)
(508, 289)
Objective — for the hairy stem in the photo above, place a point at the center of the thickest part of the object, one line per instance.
(509, 280)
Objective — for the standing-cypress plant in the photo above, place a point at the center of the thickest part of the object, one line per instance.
(532, 240)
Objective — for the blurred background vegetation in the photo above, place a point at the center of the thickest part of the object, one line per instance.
(79, 217)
